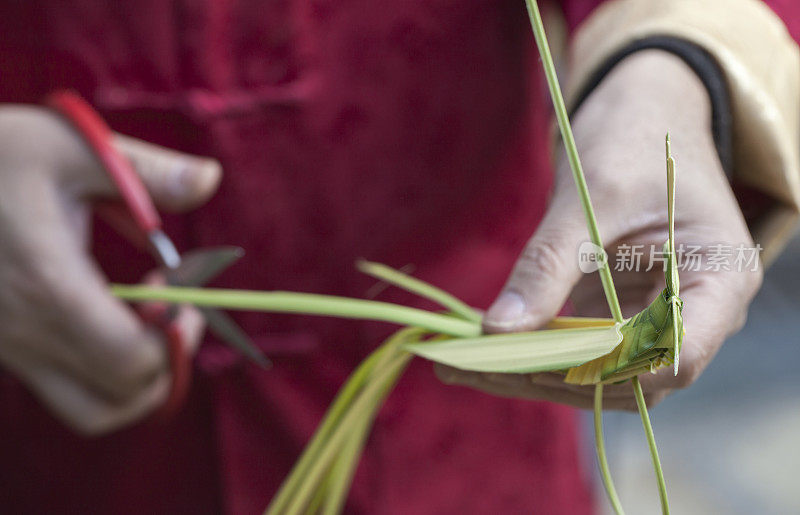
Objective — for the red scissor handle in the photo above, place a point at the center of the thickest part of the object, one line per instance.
(180, 369)
(134, 195)
(99, 138)
(177, 351)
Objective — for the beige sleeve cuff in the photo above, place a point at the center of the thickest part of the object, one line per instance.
(761, 63)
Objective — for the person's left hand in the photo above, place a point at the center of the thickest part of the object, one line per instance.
(620, 133)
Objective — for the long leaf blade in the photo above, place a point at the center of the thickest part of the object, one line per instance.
(301, 303)
(522, 352)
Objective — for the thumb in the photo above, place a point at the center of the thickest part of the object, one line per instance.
(543, 276)
(176, 181)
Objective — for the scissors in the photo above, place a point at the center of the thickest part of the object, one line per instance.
(137, 219)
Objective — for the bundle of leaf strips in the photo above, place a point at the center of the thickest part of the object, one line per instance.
(321, 478)
(588, 351)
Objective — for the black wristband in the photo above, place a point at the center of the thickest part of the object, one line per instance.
(706, 68)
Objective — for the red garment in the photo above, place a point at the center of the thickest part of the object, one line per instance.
(403, 132)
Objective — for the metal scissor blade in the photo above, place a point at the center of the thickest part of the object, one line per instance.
(225, 328)
(200, 266)
(196, 269)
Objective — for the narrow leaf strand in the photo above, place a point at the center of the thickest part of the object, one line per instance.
(572, 153)
(651, 442)
(600, 447)
(421, 288)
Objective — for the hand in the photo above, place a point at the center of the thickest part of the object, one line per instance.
(81, 351)
(620, 134)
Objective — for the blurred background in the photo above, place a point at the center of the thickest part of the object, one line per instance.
(730, 444)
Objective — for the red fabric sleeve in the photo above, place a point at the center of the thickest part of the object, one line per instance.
(575, 11)
(789, 12)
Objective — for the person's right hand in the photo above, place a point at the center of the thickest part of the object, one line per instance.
(82, 352)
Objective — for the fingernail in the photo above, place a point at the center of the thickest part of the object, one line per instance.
(507, 310)
(193, 176)
(180, 179)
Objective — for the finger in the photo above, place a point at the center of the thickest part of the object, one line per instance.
(544, 274)
(628, 403)
(113, 354)
(636, 291)
(515, 386)
(553, 380)
(615, 396)
(122, 392)
(175, 180)
(715, 306)
(80, 407)
(525, 386)
(189, 319)
(81, 326)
